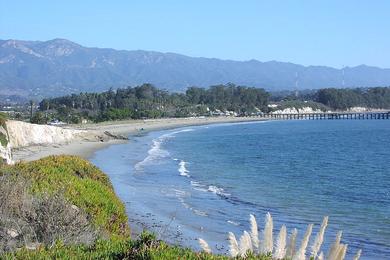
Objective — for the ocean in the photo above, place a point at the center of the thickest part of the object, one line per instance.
(204, 181)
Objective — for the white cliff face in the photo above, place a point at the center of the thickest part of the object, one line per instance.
(5, 149)
(23, 134)
(294, 110)
(358, 109)
(20, 134)
(6, 154)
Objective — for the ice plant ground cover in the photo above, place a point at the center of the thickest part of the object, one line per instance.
(251, 244)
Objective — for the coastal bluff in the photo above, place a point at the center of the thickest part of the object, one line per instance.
(17, 134)
(23, 134)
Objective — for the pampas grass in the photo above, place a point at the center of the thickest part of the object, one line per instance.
(245, 244)
(280, 251)
(234, 249)
(315, 248)
(357, 256)
(291, 243)
(334, 249)
(205, 247)
(249, 243)
(300, 255)
(342, 252)
(254, 233)
(268, 242)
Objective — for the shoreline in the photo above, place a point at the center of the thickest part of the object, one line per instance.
(169, 224)
(85, 148)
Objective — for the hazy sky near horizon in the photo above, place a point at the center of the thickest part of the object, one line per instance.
(329, 32)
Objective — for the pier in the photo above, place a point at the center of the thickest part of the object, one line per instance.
(330, 116)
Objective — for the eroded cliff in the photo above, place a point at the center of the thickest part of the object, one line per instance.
(17, 134)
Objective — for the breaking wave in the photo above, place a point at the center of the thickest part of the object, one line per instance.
(182, 169)
(155, 152)
(218, 191)
(211, 188)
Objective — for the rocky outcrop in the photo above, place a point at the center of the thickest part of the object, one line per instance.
(115, 136)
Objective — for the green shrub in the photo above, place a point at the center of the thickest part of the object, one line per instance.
(82, 184)
(3, 119)
(38, 118)
(3, 140)
(120, 249)
(102, 249)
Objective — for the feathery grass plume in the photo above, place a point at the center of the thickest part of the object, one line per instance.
(334, 249)
(315, 248)
(254, 233)
(268, 242)
(342, 252)
(291, 243)
(357, 256)
(245, 244)
(300, 255)
(280, 251)
(233, 245)
(205, 247)
(321, 256)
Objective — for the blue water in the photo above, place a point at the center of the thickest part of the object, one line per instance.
(205, 181)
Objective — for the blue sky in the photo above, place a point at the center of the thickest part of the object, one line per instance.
(308, 32)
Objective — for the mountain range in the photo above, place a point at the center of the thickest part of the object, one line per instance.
(59, 66)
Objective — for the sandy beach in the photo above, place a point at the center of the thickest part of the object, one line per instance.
(85, 147)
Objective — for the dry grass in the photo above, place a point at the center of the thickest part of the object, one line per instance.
(30, 221)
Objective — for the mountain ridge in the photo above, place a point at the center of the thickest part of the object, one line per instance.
(60, 66)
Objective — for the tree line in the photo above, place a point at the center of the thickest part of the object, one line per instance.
(147, 101)
(342, 99)
(335, 99)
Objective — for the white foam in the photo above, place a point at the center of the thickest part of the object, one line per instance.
(156, 153)
(200, 213)
(180, 196)
(213, 189)
(180, 193)
(182, 169)
(199, 187)
(217, 190)
(233, 223)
